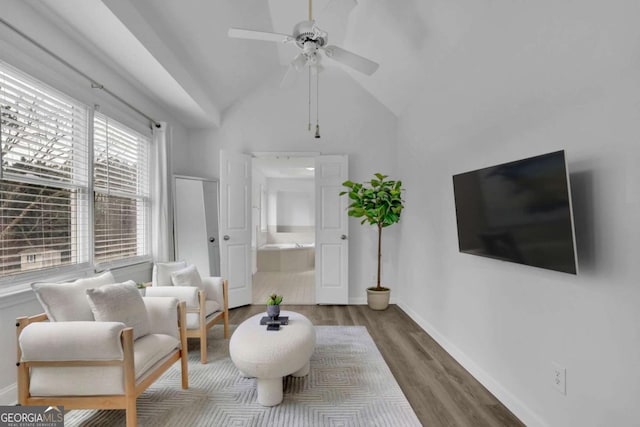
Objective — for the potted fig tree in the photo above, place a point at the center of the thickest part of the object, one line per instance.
(378, 202)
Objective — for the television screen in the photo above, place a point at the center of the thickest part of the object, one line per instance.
(519, 212)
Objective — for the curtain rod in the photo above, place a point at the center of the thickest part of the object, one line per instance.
(94, 83)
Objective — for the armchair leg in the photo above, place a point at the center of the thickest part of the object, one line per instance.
(132, 412)
(202, 312)
(129, 378)
(203, 344)
(225, 306)
(185, 375)
(184, 354)
(226, 324)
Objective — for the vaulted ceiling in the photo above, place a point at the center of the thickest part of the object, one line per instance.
(459, 54)
(179, 52)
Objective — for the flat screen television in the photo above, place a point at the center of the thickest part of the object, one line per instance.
(518, 211)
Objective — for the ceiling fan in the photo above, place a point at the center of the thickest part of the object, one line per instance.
(311, 40)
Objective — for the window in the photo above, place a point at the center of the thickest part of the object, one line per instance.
(43, 175)
(46, 194)
(121, 196)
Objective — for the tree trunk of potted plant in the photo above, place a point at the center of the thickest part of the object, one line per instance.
(378, 297)
(379, 203)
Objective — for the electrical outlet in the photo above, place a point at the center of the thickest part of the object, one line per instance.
(559, 378)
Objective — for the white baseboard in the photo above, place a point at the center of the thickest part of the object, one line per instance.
(8, 395)
(526, 415)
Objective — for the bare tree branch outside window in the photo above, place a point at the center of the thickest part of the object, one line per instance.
(34, 218)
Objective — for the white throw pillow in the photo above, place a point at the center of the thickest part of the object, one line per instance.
(162, 272)
(120, 302)
(68, 301)
(187, 276)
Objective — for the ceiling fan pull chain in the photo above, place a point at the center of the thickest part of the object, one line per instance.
(309, 120)
(317, 103)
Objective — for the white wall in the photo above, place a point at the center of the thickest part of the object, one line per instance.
(23, 55)
(291, 201)
(351, 122)
(196, 155)
(525, 79)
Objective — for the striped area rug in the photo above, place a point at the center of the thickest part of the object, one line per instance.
(349, 385)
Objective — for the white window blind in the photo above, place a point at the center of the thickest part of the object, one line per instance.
(43, 176)
(121, 191)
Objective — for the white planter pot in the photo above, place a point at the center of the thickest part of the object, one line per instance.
(378, 300)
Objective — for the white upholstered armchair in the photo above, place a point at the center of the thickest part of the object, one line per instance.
(82, 363)
(206, 298)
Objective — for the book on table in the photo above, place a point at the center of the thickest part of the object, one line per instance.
(281, 320)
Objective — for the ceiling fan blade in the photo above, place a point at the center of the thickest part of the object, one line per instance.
(350, 59)
(240, 33)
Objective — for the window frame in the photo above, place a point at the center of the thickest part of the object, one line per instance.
(87, 262)
(145, 199)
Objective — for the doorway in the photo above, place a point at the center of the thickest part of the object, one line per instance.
(240, 207)
(283, 232)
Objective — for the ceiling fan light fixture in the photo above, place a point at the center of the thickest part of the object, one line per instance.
(309, 48)
(299, 61)
(312, 60)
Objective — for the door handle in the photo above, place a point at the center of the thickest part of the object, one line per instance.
(212, 239)
(226, 237)
(343, 237)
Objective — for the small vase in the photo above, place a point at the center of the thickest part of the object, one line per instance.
(273, 311)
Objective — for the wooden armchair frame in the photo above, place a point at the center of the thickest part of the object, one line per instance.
(126, 401)
(205, 325)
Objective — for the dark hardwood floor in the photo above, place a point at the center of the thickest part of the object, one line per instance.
(441, 392)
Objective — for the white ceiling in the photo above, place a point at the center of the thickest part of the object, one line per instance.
(456, 53)
(179, 52)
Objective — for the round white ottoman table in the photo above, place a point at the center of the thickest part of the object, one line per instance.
(270, 355)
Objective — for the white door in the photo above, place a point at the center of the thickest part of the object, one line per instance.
(235, 225)
(332, 244)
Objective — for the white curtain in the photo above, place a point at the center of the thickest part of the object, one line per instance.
(161, 236)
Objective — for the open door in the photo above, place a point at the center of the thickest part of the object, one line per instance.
(332, 245)
(235, 225)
